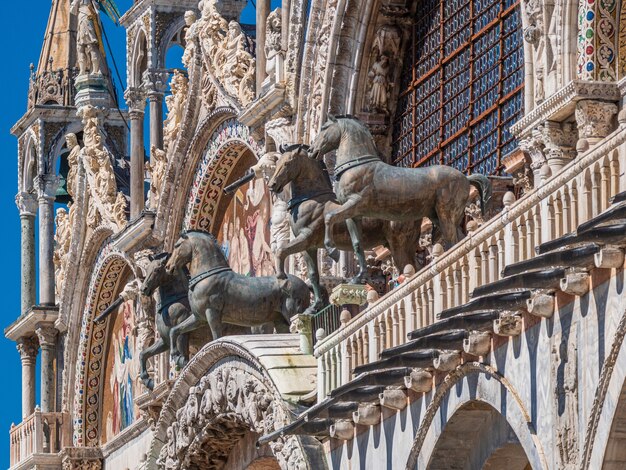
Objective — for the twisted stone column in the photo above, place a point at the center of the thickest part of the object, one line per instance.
(27, 205)
(47, 187)
(47, 341)
(136, 100)
(27, 348)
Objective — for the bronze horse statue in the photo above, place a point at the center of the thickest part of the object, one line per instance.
(368, 187)
(171, 310)
(311, 198)
(218, 295)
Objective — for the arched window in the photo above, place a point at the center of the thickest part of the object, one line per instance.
(462, 85)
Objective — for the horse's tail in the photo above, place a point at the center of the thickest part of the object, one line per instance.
(482, 183)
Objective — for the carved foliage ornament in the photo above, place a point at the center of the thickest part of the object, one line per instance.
(220, 409)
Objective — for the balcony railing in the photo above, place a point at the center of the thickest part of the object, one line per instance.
(40, 433)
(559, 204)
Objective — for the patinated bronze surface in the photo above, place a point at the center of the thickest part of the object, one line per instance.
(312, 198)
(218, 295)
(172, 309)
(368, 187)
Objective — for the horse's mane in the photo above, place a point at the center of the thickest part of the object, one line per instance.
(200, 232)
(290, 148)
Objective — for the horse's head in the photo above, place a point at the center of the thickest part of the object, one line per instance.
(327, 140)
(181, 255)
(288, 167)
(155, 275)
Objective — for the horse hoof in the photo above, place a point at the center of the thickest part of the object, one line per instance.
(333, 253)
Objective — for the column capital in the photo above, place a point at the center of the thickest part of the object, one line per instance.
(47, 186)
(28, 347)
(47, 335)
(595, 121)
(26, 203)
(136, 100)
(155, 82)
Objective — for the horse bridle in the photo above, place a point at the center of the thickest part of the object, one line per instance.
(341, 169)
(162, 306)
(207, 274)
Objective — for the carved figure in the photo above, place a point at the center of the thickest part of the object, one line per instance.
(62, 238)
(175, 107)
(157, 168)
(363, 187)
(71, 142)
(119, 210)
(273, 41)
(90, 56)
(379, 92)
(218, 295)
(190, 35)
(171, 310)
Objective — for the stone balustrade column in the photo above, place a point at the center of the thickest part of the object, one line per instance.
(155, 83)
(27, 348)
(27, 205)
(262, 12)
(47, 341)
(136, 100)
(47, 187)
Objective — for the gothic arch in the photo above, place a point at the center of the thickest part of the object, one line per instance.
(222, 396)
(139, 62)
(111, 269)
(30, 162)
(470, 383)
(173, 35)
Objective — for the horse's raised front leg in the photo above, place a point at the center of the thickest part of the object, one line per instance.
(214, 319)
(297, 245)
(346, 211)
(321, 297)
(356, 235)
(158, 347)
(189, 324)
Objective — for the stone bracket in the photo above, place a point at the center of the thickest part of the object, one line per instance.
(509, 324)
(447, 361)
(478, 343)
(420, 381)
(541, 304)
(609, 257)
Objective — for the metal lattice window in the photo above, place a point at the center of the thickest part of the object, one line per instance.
(462, 85)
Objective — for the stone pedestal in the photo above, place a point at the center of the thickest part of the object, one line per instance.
(27, 348)
(349, 294)
(27, 205)
(93, 90)
(302, 325)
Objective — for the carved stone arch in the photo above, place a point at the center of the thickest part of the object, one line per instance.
(487, 386)
(225, 395)
(29, 164)
(111, 268)
(173, 35)
(217, 147)
(139, 61)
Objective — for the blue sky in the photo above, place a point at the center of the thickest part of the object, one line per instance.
(22, 27)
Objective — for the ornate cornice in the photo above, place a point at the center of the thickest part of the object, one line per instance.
(562, 104)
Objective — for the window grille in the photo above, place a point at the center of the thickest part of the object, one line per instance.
(462, 85)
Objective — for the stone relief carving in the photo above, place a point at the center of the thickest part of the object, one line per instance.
(72, 144)
(157, 168)
(175, 108)
(90, 60)
(273, 48)
(566, 402)
(191, 20)
(224, 405)
(534, 35)
(225, 49)
(105, 203)
(62, 239)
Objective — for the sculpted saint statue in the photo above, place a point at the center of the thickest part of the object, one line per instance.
(379, 76)
(71, 142)
(88, 41)
(157, 168)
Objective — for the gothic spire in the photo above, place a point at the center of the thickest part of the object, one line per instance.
(59, 45)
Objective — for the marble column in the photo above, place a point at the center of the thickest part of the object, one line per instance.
(136, 100)
(262, 12)
(27, 205)
(156, 83)
(47, 342)
(47, 187)
(27, 348)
